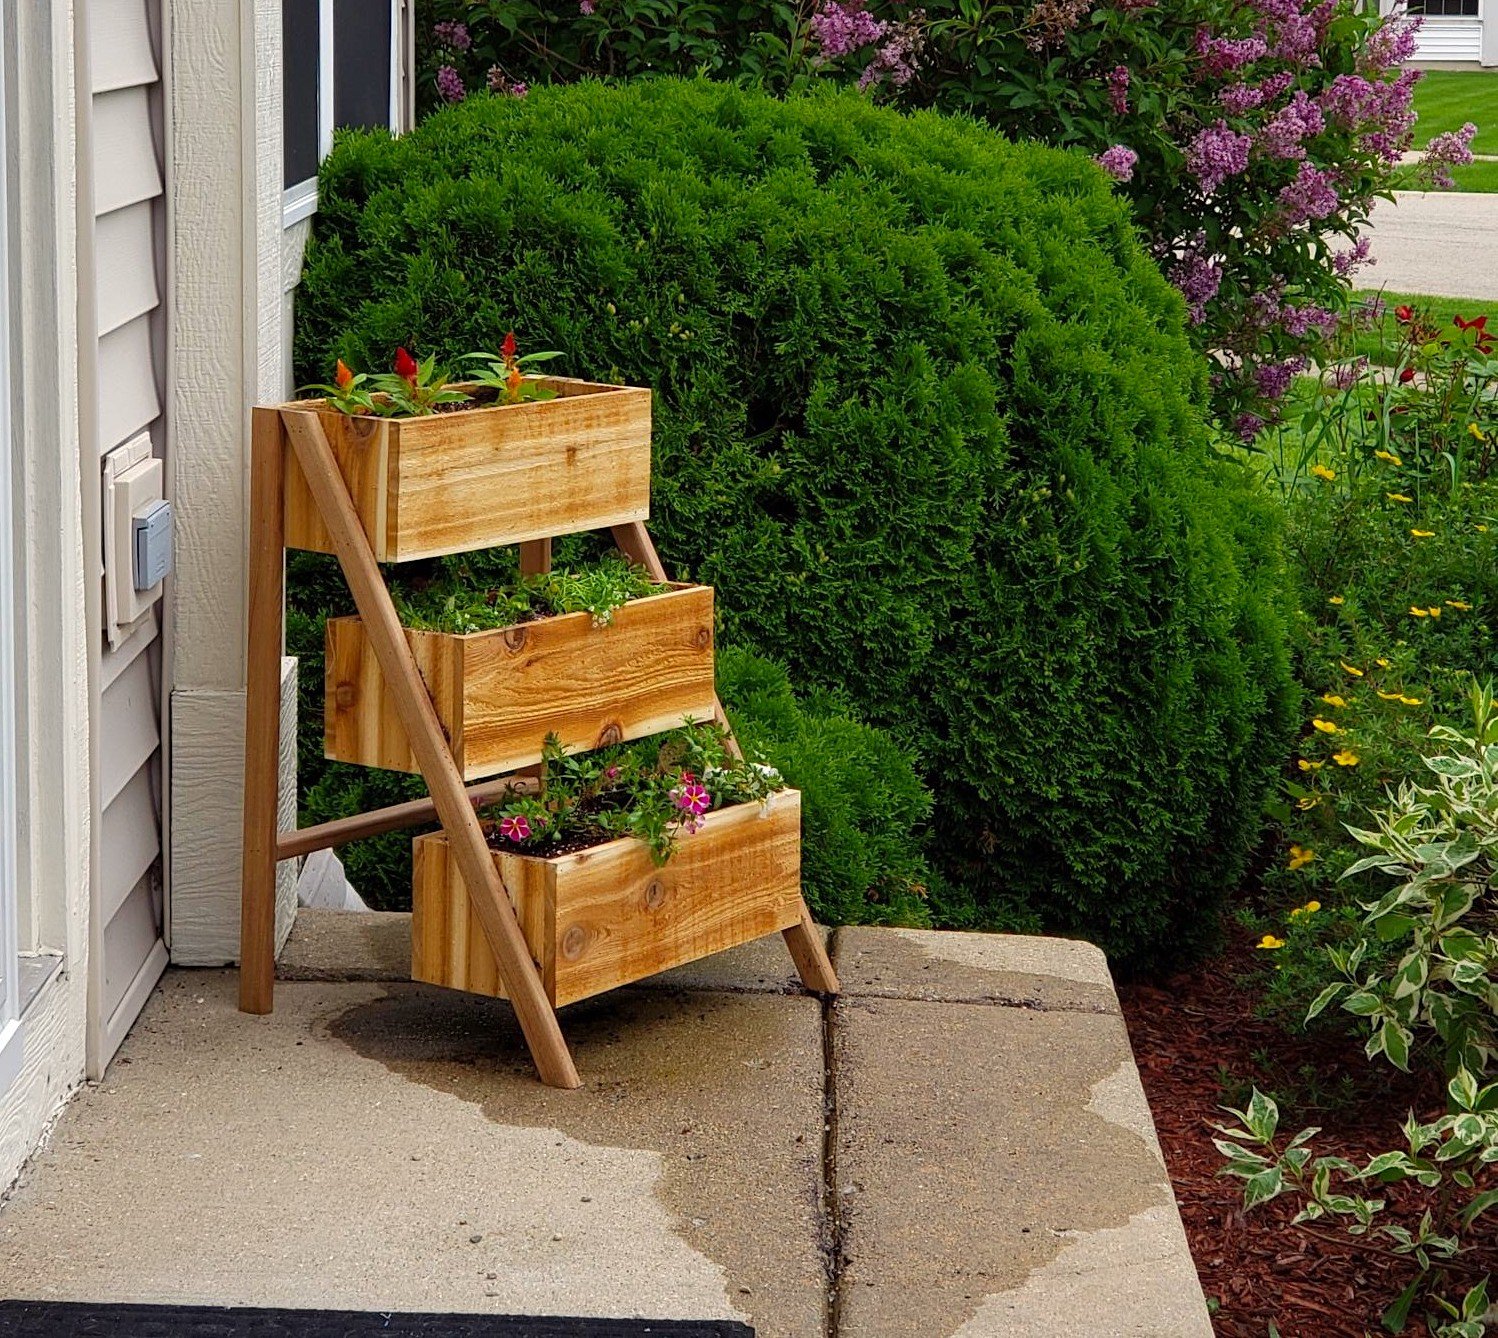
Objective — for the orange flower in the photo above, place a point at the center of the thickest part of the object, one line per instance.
(343, 376)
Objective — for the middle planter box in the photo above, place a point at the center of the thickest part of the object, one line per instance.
(499, 693)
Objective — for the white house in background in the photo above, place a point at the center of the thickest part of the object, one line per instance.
(159, 161)
(1456, 32)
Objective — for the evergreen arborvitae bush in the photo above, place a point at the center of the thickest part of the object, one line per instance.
(925, 415)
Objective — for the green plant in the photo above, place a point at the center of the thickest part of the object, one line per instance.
(1249, 139)
(652, 790)
(412, 389)
(927, 418)
(462, 594)
(506, 373)
(350, 392)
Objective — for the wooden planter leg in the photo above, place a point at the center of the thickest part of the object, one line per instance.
(262, 739)
(804, 940)
(486, 891)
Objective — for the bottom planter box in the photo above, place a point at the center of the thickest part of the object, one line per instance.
(604, 917)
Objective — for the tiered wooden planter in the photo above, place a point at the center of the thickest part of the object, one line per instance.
(541, 932)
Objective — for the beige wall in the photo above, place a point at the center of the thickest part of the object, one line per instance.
(54, 752)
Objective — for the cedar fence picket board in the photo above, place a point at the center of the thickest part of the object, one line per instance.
(499, 693)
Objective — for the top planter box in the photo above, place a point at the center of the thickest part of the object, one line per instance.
(479, 478)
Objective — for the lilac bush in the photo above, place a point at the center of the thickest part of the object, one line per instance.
(1250, 136)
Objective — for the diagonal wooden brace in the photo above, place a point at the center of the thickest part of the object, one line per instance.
(469, 849)
(803, 940)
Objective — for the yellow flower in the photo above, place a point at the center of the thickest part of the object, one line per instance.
(1418, 613)
(1477, 432)
(1389, 456)
(1389, 696)
(1434, 610)
(1351, 669)
(1423, 534)
(1306, 765)
(1325, 726)
(1332, 699)
(1381, 663)
(1346, 758)
(1322, 472)
(1300, 856)
(1305, 912)
(1458, 604)
(1482, 529)
(1335, 599)
(1307, 802)
(1398, 497)
(1270, 943)
(1412, 701)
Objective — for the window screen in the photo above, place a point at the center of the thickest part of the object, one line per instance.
(301, 36)
(361, 63)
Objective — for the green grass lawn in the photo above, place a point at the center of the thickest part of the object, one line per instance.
(1447, 99)
(1479, 178)
(1379, 345)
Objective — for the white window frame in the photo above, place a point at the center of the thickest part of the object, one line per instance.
(300, 201)
(11, 1027)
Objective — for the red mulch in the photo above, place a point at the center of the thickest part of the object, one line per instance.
(1187, 1034)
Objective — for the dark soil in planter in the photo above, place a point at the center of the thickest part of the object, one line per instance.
(1199, 1046)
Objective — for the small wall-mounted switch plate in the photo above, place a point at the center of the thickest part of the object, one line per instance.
(133, 480)
(153, 544)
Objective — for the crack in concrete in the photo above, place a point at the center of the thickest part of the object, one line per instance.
(985, 1001)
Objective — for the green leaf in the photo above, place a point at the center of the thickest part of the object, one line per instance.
(1397, 1315)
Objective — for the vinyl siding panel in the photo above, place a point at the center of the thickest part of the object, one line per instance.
(126, 167)
(130, 840)
(1450, 39)
(130, 734)
(125, 265)
(121, 52)
(129, 938)
(128, 400)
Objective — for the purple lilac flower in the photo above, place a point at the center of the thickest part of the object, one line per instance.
(585, 6)
(1445, 151)
(1296, 41)
(1118, 162)
(1049, 21)
(1345, 263)
(1248, 426)
(842, 28)
(1391, 44)
(1273, 378)
(1345, 375)
(450, 84)
(1240, 99)
(1217, 153)
(1197, 276)
(1311, 195)
(1220, 55)
(895, 60)
(452, 33)
(1300, 320)
(1118, 90)
(500, 83)
(1298, 120)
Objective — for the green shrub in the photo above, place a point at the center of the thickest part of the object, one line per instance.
(925, 415)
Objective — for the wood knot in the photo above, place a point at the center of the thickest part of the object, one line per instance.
(574, 941)
(655, 895)
(609, 735)
(515, 638)
(704, 638)
(346, 695)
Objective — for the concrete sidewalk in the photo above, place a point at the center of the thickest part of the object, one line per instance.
(959, 1146)
(1439, 243)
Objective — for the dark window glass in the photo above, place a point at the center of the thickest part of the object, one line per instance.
(301, 38)
(1449, 9)
(361, 62)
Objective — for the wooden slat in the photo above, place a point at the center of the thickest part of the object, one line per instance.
(605, 917)
(469, 851)
(262, 751)
(498, 694)
(486, 477)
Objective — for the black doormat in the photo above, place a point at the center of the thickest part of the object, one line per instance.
(70, 1319)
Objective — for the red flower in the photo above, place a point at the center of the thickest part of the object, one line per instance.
(343, 376)
(1404, 314)
(405, 366)
(1406, 376)
(1480, 324)
(507, 349)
